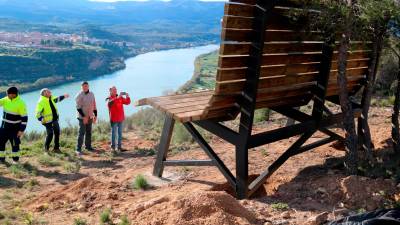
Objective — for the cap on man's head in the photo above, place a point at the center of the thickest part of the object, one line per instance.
(12, 90)
(43, 91)
(85, 83)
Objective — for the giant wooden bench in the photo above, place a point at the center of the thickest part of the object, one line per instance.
(266, 60)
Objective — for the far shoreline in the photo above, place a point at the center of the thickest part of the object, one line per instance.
(89, 77)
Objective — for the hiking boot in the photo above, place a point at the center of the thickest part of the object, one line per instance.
(91, 149)
(14, 162)
(122, 149)
(57, 151)
(78, 154)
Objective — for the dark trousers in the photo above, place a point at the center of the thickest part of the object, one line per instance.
(85, 130)
(52, 129)
(9, 135)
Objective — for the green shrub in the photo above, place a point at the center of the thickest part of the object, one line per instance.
(181, 135)
(72, 167)
(48, 161)
(17, 170)
(124, 220)
(145, 152)
(280, 206)
(361, 210)
(261, 115)
(105, 216)
(31, 183)
(140, 182)
(80, 221)
(146, 118)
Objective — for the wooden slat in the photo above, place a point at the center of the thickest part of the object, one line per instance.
(239, 73)
(281, 47)
(239, 10)
(246, 35)
(356, 78)
(147, 101)
(286, 3)
(249, 2)
(271, 48)
(294, 101)
(237, 22)
(351, 72)
(180, 96)
(279, 19)
(334, 89)
(187, 100)
(178, 104)
(246, 9)
(285, 58)
(271, 59)
(353, 63)
(267, 71)
(359, 54)
(237, 86)
(199, 114)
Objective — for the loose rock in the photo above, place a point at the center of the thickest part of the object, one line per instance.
(318, 219)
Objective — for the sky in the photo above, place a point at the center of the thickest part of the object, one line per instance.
(147, 0)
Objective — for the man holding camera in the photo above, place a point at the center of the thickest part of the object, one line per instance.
(115, 105)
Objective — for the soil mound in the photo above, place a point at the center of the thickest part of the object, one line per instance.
(85, 192)
(200, 208)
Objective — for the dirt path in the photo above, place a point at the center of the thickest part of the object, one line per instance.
(308, 185)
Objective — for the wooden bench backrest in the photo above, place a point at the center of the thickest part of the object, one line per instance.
(291, 60)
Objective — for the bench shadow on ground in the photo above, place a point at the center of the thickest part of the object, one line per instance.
(104, 159)
(130, 154)
(61, 178)
(100, 164)
(6, 182)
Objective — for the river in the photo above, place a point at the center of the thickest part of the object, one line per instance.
(145, 75)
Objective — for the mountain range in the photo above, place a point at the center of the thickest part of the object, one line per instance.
(123, 12)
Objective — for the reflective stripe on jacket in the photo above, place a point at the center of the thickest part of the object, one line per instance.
(14, 113)
(43, 110)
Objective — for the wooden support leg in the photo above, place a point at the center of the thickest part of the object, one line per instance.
(242, 154)
(163, 146)
(242, 172)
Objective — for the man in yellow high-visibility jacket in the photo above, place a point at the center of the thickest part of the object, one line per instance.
(47, 113)
(13, 125)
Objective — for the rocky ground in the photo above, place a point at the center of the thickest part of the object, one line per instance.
(309, 189)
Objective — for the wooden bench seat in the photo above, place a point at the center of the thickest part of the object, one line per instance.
(290, 67)
(267, 59)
